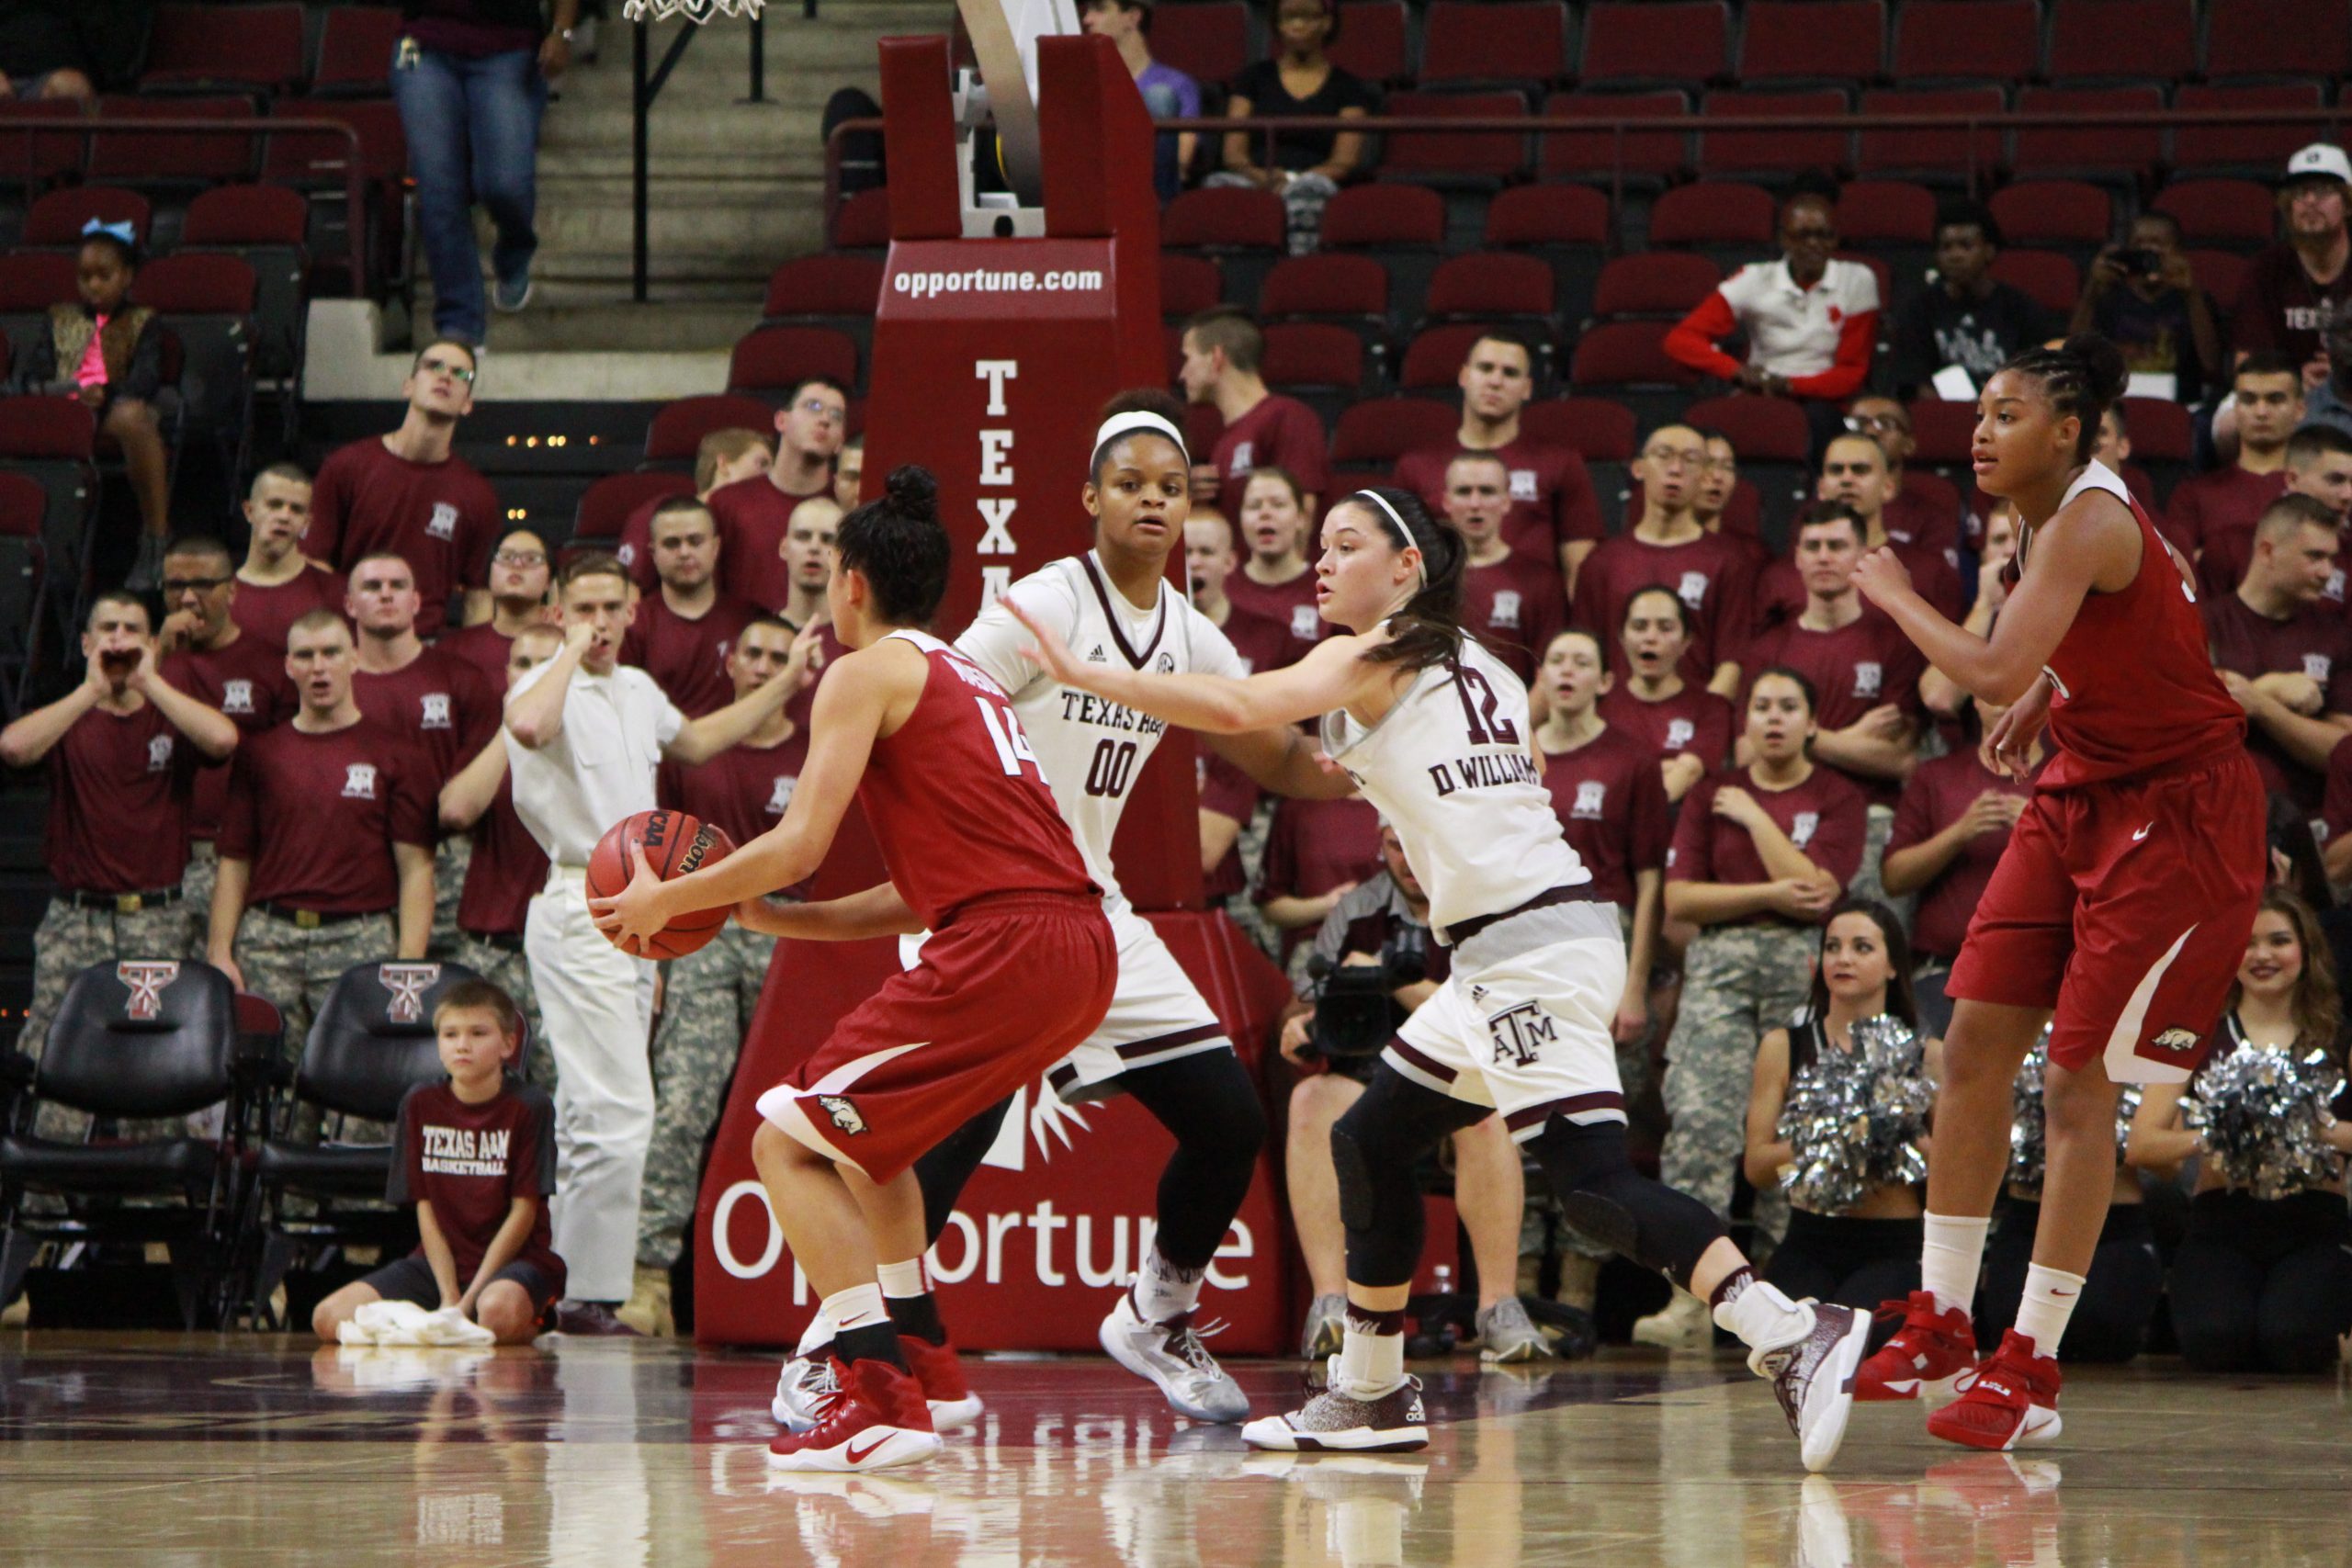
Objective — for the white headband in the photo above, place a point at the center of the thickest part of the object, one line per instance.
(1420, 562)
(1120, 424)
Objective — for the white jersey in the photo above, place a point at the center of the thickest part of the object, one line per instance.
(1450, 769)
(1092, 749)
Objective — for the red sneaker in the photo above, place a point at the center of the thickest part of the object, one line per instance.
(953, 1402)
(874, 1420)
(2012, 1399)
(1927, 1354)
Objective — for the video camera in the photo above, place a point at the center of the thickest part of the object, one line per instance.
(1355, 1007)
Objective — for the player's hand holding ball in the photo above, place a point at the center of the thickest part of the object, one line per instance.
(628, 883)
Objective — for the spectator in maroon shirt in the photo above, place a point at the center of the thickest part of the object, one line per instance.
(682, 632)
(2286, 660)
(1689, 727)
(2267, 400)
(1721, 506)
(2319, 465)
(1668, 546)
(746, 788)
(849, 472)
(1275, 583)
(1317, 851)
(277, 585)
(1855, 472)
(1223, 349)
(1612, 810)
(721, 458)
(326, 854)
(519, 577)
(1209, 566)
(405, 493)
(1509, 601)
(1554, 517)
(122, 749)
(809, 561)
(2293, 289)
(755, 514)
(1923, 510)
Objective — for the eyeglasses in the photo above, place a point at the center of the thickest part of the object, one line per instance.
(174, 585)
(1877, 421)
(446, 367)
(821, 409)
(519, 558)
(1689, 458)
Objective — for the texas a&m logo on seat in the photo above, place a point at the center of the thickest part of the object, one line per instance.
(145, 978)
(405, 984)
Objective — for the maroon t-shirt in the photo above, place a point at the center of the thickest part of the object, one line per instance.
(1227, 790)
(1824, 816)
(1779, 595)
(247, 683)
(121, 785)
(2314, 642)
(333, 803)
(1860, 666)
(441, 518)
(687, 658)
(754, 517)
(1613, 809)
(2279, 307)
(1288, 605)
(1926, 512)
(1263, 644)
(1693, 722)
(506, 868)
(1279, 432)
(2205, 506)
(1710, 574)
(439, 704)
(2228, 554)
(1939, 795)
(268, 613)
(744, 789)
(484, 647)
(1314, 846)
(471, 1162)
(1516, 607)
(1552, 502)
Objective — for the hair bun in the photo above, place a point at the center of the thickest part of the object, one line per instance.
(2108, 375)
(912, 492)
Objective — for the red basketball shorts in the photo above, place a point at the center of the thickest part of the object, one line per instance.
(2124, 908)
(1010, 986)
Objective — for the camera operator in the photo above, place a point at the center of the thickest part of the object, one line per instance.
(1373, 963)
(2143, 297)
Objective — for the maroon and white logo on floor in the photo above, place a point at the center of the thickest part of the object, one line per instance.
(407, 983)
(146, 978)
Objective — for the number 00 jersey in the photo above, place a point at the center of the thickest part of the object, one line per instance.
(1451, 768)
(1091, 749)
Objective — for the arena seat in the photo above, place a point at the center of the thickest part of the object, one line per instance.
(208, 303)
(172, 160)
(1521, 45)
(1434, 360)
(1566, 227)
(34, 145)
(1245, 230)
(1811, 42)
(24, 512)
(2233, 214)
(1935, 155)
(1207, 39)
(197, 49)
(1336, 288)
(2278, 38)
(2071, 216)
(862, 221)
(2122, 40)
(1456, 160)
(1188, 285)
(1322, 364)
(1596, 429)
(1490, 286)
(678, 427)
(1656, 43)
(1728, 221)
(1996, 41)
(2049, 278)
(53, 443)
(1663, 286)
(826, 290)
(607, 506)
(1627, 360)
(57, 218)
(355, 45)
(1372, 434)
(1651, 157)
(1401, 227)
(1776, 155)
(2115, 156)
(1374, 42)
(2254, 151)
(771, 359)
(265, 227)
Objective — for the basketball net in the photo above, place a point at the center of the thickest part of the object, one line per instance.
(696, 11)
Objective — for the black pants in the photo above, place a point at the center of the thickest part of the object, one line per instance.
(2262, 1286)
(1848, 1262)
(2111, 1322)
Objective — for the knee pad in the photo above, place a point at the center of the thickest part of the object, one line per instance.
(1357, 1201)
(1605, 1197)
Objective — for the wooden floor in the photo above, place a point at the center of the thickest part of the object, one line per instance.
(184, 1451)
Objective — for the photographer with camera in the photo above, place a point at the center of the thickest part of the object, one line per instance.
(2142, 296)
(1373, 961)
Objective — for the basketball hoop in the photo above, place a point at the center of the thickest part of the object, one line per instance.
(696, 11)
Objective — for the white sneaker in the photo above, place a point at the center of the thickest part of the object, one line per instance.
(1813, 1377)
(801, 1390)
(1683, 1324)
(1395, 1423)
(1505, 1334)
(1170, 1356)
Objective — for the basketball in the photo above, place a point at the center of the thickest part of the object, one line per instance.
(674, 844)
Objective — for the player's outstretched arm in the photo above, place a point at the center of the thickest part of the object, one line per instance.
(1285, 762)
(877, 911)
(1333, 676)
(702, 738)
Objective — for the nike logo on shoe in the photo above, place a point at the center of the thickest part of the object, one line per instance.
(2142, 832)
(855, 1455)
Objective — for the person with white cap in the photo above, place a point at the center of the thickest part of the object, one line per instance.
(2294, 288)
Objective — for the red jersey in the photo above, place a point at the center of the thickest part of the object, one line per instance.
(269, 612)
(1824, 816)
(1613, 809)
(334, 805)
(744, 789)
(1862, 665)
(1516, 607)
(441, 518)
(2205, 506)
(1939, 794)
(2312, 641)
(471, 1162)
(2134, 690)
(687, 658)
(120, 786)
(1693, 722)
(1552, 502)
(438, 704)
(957, 801)
(1288, 605)
(754, 517)
(1709, 574)
(484, 647)
(506, 868)
(247, 683)
(1277, 433)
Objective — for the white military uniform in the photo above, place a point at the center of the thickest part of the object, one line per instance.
(1092, 751)
(595, 1001)
(1522, 1023)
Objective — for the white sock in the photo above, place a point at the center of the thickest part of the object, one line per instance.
(2050, 1296)
(1762, 1316)
(819, 1333)
(1164, 1291)
(1370, 1365)
(860, 1307)
(1949, 1258)
(903, 1280)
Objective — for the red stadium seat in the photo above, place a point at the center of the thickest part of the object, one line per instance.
(145, 157)
(198, 49)
(2062, 212)
(1434, 360)
(2050, 280)
(2110, 41)
(1490, 286)
(59, 217)
(1886, 212)
(1208, 40)
(1649, 155)
(318, 157)
(1325, 284)
(246, 215)
(1222, 218)
(1774, 153)
(1494, 43)
(2220, 273)
(1625, 353)
(678, 427)
(30, 283)
(2257, 150)
(608, 504)
(1930, 152)
(1715, 212)
(1372, 434)
(1942, 432)
(1656, 43)
(2117, 151)
(862, 223)
(198, 285)
(1362, 216)
(1188, 285)
(1663, 286)
(824, 284)
(30, 148)
(1596, 429)
(2301, 39)
(1301, 355)
(1547, 215)
(49, 429)
(2161, 430)
(1373, 43)
(1789, 42)
(1456, 157)
(2221, 212)
(355, 52)
(1762, 430)
(771, 359)
(1966, 40)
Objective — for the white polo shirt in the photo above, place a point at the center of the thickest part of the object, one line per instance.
(599, 767)
(1790, 331)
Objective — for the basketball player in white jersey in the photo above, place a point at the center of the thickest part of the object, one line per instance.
(1435, 731)
(1160, 1042)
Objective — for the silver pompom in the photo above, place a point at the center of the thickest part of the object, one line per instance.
(1854, 1116)
(2264, 1112)
(2027, 1150)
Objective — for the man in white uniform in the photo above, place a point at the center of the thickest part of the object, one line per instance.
(583, 737)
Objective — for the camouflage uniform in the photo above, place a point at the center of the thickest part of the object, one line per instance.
(709, 1000)
(1866, 882)
(511, 973)
(295, 965)
(69, 941)
(451, 856)
(196, 894)
(1738, 981)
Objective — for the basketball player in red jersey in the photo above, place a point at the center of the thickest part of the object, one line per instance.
(980, 856)
(2120, 909)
